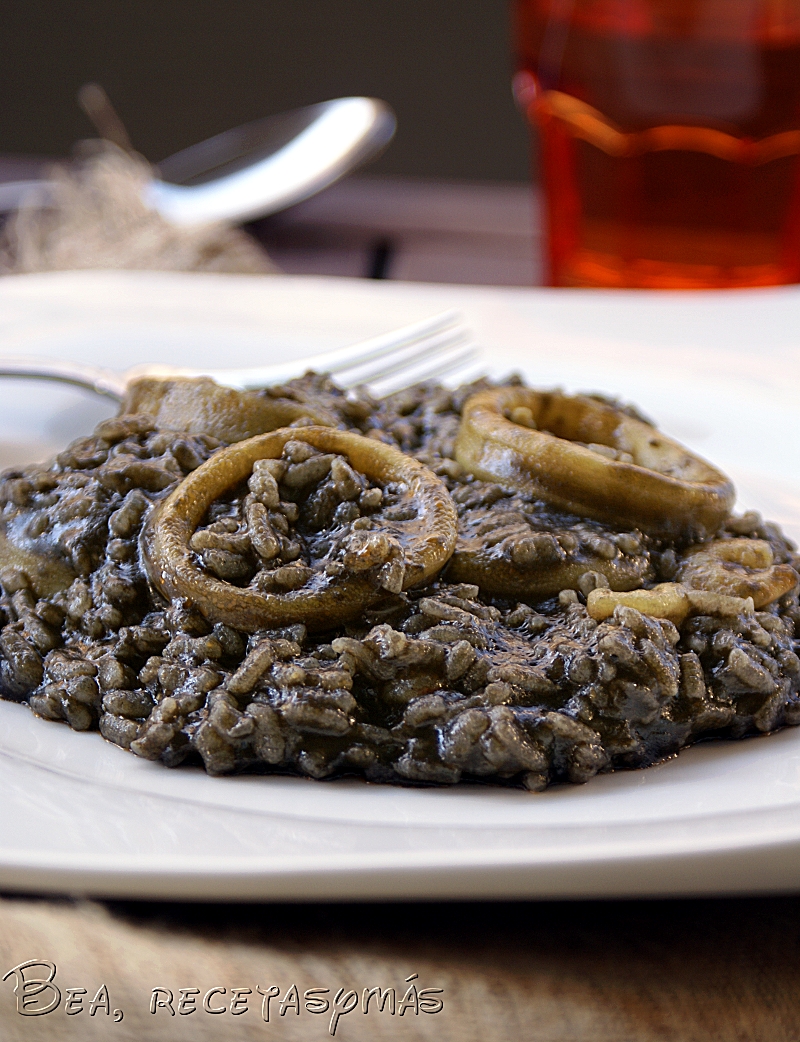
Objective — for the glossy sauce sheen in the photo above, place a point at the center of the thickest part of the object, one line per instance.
(670, 137)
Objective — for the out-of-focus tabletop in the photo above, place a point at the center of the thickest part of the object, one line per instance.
(647, 971)
(614, 971)
(413, 230)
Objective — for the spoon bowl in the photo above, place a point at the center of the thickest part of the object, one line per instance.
(270, 164)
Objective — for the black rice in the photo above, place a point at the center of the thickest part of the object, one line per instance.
(494, 672)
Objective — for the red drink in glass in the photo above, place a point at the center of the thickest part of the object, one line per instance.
(670, 139)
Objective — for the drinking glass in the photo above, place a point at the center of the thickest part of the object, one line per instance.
(669, 138)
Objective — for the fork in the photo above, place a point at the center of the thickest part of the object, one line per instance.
(383, 364)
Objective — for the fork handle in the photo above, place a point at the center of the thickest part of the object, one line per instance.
(92, 378)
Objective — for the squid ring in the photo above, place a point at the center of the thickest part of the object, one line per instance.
(531, 565)
(591, 459)
(738, 568)
(671, 601)
(201, 406)
(327, 599)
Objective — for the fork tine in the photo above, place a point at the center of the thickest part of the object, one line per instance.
(388, 344)
(461, 360)
(342, 359)
(434, 346)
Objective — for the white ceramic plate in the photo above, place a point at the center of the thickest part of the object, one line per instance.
(720, 371)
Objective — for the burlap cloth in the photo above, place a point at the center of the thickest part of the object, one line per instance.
(687, 971)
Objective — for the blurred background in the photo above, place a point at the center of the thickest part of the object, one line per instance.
(449, 200)
(181, 70)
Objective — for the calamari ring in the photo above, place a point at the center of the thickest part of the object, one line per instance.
(738, 568)
(201, 406)
(670, 601)
(172, 570)
(660, 487)
(533, 563)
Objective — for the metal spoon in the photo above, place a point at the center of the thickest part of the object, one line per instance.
(256, 169)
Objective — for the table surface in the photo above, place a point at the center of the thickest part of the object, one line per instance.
(550, 972)
(418, 231)
(525, 972)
